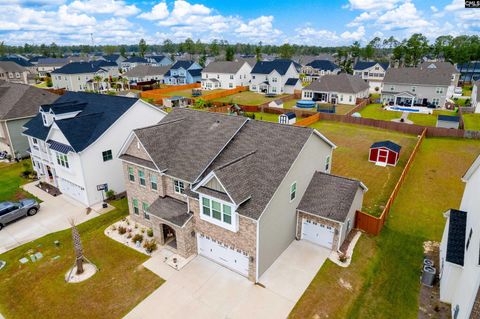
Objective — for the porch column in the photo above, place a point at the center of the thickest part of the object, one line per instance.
(413, 99)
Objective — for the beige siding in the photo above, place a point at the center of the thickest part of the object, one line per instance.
(278, 222)
(356, 205)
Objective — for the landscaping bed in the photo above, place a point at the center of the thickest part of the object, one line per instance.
(388, 278)
(38, 289)
(350, 159)
(247, 98)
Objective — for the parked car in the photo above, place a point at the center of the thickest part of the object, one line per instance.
(10, 211)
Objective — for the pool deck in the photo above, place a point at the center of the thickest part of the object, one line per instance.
(411, 109)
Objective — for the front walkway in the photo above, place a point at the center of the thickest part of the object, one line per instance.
(204, 289)
(54, 215)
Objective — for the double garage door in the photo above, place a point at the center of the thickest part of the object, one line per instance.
(225, 256)
(318, 233)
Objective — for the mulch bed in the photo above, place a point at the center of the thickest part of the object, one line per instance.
(429, 298)
(52, 190)
(347, 241)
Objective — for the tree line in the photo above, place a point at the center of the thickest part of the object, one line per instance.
(407, 52)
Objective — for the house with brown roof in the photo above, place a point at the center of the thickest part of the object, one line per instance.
(336, 89)
(18, 104)
(219, 186)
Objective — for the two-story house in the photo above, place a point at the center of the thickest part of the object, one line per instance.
(18, 105)
(221, 187)
(336, 89)
(444, 67)
(159, 60)
(82, 76)
(46, 66)
(476, 96)
(372, 72)
(416, 87)
(318, 68)
(117, 58)
(275, 77)
(184, 72)
(145, 73)
(74, 141)
(226, 75)
(459, 264)
(14, 73)
(132, 62)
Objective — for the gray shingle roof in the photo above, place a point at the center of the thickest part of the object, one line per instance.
(457, 230)
(417, 76)
(329, 196)
(171, 209)
(9, 66)
(343, 83)
(224, 67)
(362, 65)
(145, 70)
(187, 142)
(137, 160)
(21, 100)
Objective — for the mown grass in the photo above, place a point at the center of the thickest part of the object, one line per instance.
(471, 121)
(11, 180)
(247, 98)
(38, 290)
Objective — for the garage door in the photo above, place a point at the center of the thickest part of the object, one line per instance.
(317, 233)
(216, 251)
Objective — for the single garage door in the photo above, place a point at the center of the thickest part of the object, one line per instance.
(230, 258)
(317, 233)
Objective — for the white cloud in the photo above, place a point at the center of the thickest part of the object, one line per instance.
(159, 12)
(260, 28)
(115, 7)
(372, 4)
(364, 16)
(434, 9)
(404, 16)
(354, 35)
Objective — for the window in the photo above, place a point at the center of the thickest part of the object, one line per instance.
(253, 76)
(293, 191)
(131, 176)
(62, 160)
(153, 181)
(413, 88)
(439, 90)
(308, 94)
(349, 98)
(145, 210)
(392, 88)
(206, 206)
(179, 187)
(469, 237)
(135, 206)
(274, 80)
(327, 163)
(44, 118)
(141, 177)
(35, 141)
(231, 76)
(107, 155)
(216, 210)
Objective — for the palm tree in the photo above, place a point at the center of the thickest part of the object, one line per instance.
(77, 247)
(97, 79)
(125, 82)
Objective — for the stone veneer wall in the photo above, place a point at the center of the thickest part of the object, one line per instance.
(245, 239)
(319, 220)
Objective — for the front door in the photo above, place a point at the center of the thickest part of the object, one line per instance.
(382, 156)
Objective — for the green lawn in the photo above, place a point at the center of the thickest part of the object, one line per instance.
(351, 159)
(289, 104)
(38, 290)
(467, 90)
(343, 109)
(268, 117)
(461, 102)
(471, 121)
(11, 180)
(246, 98)
(385, 270)
(42, 85)
(375, 111)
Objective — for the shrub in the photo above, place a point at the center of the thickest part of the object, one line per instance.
(150, 245)
(122, 230)
(343, 258)
(110, 194)
(137, 237)
(150, 232)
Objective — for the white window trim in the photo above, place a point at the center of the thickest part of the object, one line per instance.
(175, 187)
(290, 192)
(235, 218)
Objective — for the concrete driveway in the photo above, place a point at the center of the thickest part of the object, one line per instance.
(54, 215)
(204, 289)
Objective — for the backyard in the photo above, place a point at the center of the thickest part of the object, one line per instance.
(385, 270)
(188, 92)
(11, 179)
(351, 159)
(247, 98)
(38, 289)
(471, 121)
(375, 111)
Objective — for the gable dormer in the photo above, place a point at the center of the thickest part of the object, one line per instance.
(60, 111)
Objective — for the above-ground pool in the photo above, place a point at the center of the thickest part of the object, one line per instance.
(412, 109)
(305, 104)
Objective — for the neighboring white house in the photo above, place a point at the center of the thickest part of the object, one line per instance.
(144, 73)
(132, 62)
(14, 73)
(372, 72)
(476, 96)
(74, 142)
(336, 89)
(80, 76)
(460, 251)
(275, 77)
(318, 68)
(226, 75)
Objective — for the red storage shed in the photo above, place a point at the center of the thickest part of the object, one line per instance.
(384, 153)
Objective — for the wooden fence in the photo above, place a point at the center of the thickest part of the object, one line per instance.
(160, 93)
(362, 103)
(373, 225)
(308, 120)
(217, 95)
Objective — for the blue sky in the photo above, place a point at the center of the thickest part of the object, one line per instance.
(312, 22)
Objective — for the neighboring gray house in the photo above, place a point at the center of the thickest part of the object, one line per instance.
(18, 104)
(318, 68)
(275, 77)
(143, 73)
(117, 58)
(12, 72)
(201, 182)
(336, 89)
(372, 72)
(132, 62)
(184, 72)
(80, 76)
(447, 68)
(475, 99)
(416, 87)
(159, 60)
